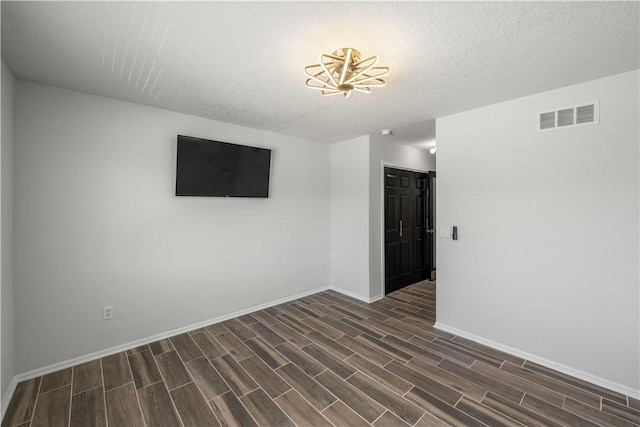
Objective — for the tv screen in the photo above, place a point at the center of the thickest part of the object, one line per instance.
(220, 169)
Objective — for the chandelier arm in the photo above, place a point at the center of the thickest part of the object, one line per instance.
(328, 55)
(362, 89)
(316, 83)
(360, 72)
(332, 61)
(315, 76)
(324, 83)
(316, 86)
(370, 85)
(338, 67)
(345, 66)
(310, 66)
(321, 88)
(366, 65)
(371, 82)
(313, 73)
(333, 69)
(319, 73)
(374, 57)
(332, 93)
(320, 80)
(370, 77)
(324, 67)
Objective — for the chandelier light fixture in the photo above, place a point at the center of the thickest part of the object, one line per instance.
(343, 71)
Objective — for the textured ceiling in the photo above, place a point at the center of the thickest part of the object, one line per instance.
(241, 62)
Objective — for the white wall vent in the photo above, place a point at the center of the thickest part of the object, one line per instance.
(568, 117)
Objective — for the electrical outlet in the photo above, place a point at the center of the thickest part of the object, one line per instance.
(107, 312)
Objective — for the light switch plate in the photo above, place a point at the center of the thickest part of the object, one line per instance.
(444, 232)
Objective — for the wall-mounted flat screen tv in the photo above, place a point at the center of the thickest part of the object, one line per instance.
(220, 169)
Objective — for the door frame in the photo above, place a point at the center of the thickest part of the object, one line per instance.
(432, 224)
(383, 165)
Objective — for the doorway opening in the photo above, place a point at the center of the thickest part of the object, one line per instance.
(409, 244)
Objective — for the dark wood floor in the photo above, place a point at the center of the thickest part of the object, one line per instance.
(322, 360)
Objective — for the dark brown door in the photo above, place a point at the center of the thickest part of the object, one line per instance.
(407, 236)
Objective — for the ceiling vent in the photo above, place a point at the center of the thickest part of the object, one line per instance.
(569, 117)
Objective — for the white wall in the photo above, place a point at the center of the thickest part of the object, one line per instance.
(96, 224)
(382, 152)
(547, 261)
(349, 171)
(356, 209)
(7, 342)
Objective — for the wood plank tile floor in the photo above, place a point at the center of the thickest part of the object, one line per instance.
(322, 360)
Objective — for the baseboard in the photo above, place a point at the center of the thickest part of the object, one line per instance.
(6, 399)
(376, 298)
(620, 388)
(133, 344)
(354, 295)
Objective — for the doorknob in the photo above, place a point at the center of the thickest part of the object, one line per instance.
(430, 231)
(400, 228)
